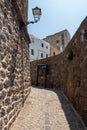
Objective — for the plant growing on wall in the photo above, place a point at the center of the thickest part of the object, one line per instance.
(69, 55)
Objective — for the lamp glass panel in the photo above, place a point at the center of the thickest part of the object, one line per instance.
(36, 12)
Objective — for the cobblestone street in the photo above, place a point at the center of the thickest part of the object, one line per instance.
(47, 110)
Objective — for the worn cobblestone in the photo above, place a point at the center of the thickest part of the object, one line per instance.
(47, 110)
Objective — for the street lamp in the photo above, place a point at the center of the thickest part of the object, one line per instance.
(36, 13)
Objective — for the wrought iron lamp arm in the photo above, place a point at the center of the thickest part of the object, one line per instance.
(31, 22)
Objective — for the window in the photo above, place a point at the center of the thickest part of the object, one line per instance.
(42, 45)
(53, 53)
(32, 51)
(46, 55)
(41, 55)
(83, 35)
(47, 47)
(57, 41)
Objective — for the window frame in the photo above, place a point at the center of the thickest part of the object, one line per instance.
(42, 44)
(32, 51)
(41, 55)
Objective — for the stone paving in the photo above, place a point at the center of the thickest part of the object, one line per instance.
(47, 110)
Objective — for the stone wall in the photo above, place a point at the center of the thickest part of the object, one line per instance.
(68, 71)
(23, 4)
(14, 65)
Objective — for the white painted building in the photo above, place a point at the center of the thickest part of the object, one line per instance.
(39, 49)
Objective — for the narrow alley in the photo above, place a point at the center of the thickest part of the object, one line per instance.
(47, 109)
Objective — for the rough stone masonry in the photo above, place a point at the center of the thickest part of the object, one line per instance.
(14, 60)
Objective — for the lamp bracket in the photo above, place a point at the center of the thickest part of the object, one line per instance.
(22, 24)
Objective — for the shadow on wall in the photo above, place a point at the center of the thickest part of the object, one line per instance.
(74, 120)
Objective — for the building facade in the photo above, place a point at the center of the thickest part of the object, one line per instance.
(39, 49)
(60, 39)
(54, 50)
(14, 60)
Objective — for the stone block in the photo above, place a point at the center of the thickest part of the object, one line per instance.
(1, 124)
(7, 101)
(2, 112)
(2, 73)
(4, 64)
(7, 83)
(2, 95)
(6, 120)
(9, 109)
(1, 86)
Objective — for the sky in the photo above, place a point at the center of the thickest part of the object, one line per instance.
(57, 15)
